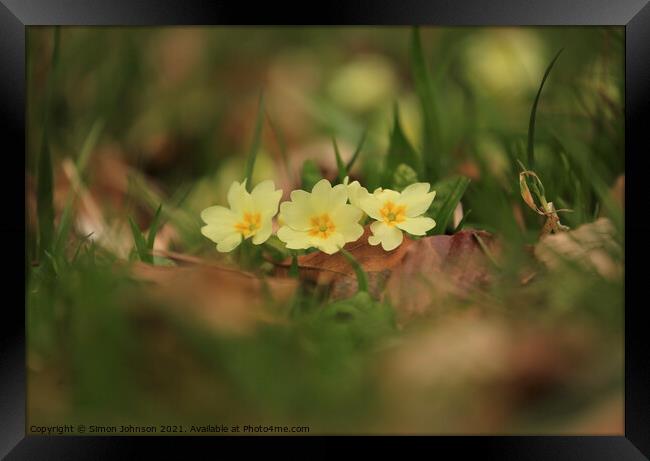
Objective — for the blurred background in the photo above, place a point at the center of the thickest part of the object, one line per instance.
(122, 120)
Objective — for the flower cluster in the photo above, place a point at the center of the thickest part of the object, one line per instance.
(322, 218)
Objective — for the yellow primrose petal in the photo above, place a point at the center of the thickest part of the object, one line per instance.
(320, 219)
(265, 198)
(294, 240)
(339, 195)
(250, 215)
(216, 232)
(386, 194)
(296, 212)
(229, 243)
(356, 192)
(418, 188)
(347, 214)
(218, 215)
(370, 204)
(352, 232)
(417, 199)
(263, 234)
(417, 226)
(330, 245)
(398, 210)
(237, 196)
(390, 237)
(249, 223)
(324, 197)
(320, 195)
(347, 218)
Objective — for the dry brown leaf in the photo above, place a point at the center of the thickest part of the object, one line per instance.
(439, 268)
(325, 269)
(497, 367)
(591, 245)
(416, 276)
(540, 359)
(223, 298)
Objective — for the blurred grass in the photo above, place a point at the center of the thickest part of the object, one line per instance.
(181, 108)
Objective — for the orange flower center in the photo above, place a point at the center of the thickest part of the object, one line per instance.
(321, 226)
(392, 214)
(249, 225)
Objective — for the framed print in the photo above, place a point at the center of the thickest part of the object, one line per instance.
(401, 220)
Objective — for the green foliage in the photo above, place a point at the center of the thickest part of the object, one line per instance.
(400, 152)
(533, 115)
(433, 154)
(144, 246)
(310, 174)
(281, 143)
(448, 194)
(461, 223)
(65, 223)
(277, 248)
(340, 166)
(153, 228)
(293, 269)
(357, 151)
(358, 320)
(255, 146)
(403, 176)
(45, 203)
(140, 243)
(45, 197)
(103, 378)
(362, 278)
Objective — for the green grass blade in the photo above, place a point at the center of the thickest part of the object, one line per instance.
(79, 245)
(310, 174)
(89, 144)
(340, 166)
(153, 229)
(53, 262)
(400, 151)
(282, 144)
(448, 193)
(293, 269)
(533, 114)
(185, 222)
(56, 53)
(362, 278)
(255, 146)
(486, 251)
(44, 196)
(424, 88)
(357, 151)
(462, 222)
(140, 244)
(44, 185)
(65, 223)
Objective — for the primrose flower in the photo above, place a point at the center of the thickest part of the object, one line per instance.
(395, 212)
(356, 191)
(320, 219)
(250, 215)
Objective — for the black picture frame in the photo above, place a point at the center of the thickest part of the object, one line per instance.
(15, 15)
